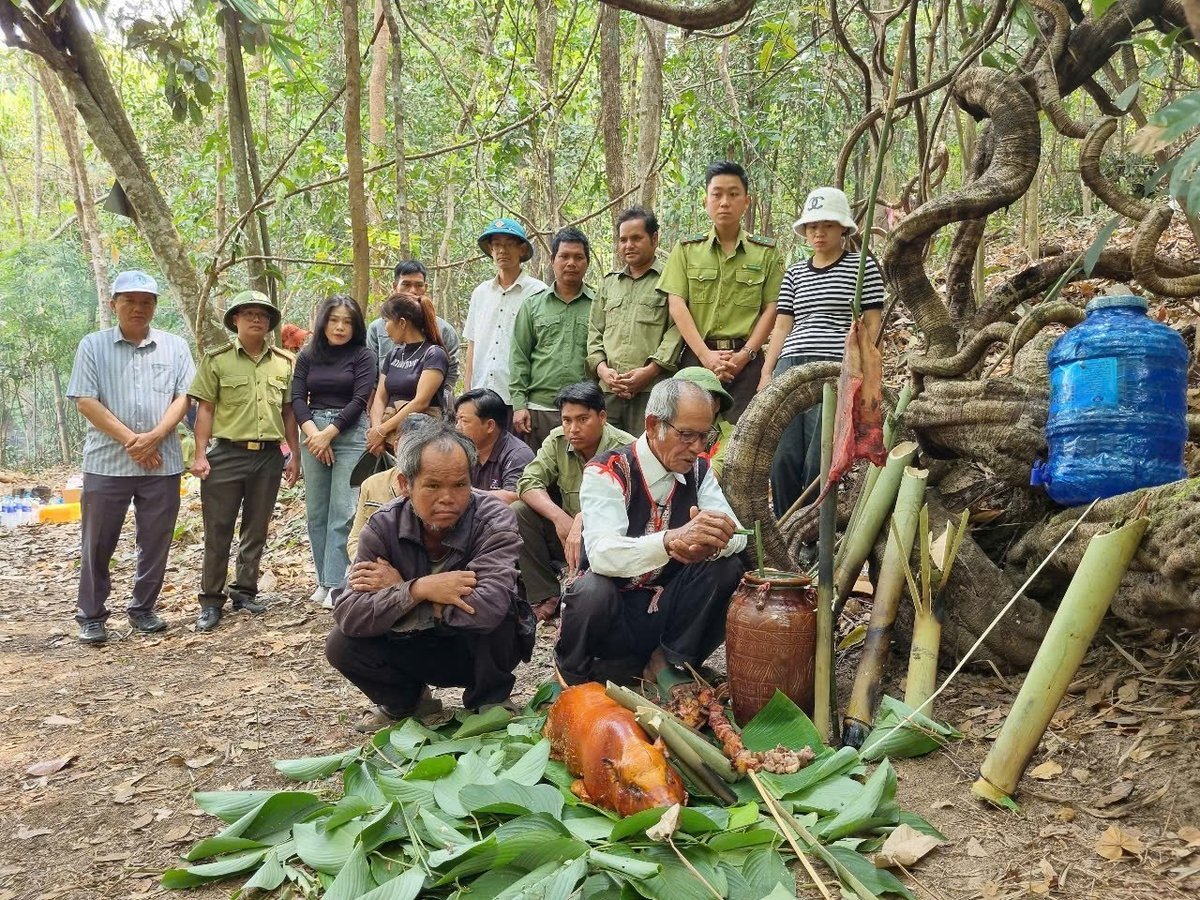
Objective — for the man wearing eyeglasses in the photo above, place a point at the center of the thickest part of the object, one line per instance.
(660, 548)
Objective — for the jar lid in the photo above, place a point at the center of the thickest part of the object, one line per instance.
(1126, 301)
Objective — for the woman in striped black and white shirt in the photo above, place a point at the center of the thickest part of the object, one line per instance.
(813, 315)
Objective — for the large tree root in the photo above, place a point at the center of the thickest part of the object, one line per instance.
(1162, 586)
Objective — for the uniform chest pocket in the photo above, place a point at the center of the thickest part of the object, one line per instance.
(235, 388)
(652, 311)
(164, 379)
(547, 329)
(279, 386)
(703, 284)
(748, 287)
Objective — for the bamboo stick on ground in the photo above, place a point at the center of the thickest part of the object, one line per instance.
(857, 543)
(824, 689)
(860, 712)
(1066, 642)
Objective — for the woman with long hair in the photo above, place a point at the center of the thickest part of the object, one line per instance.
(412, 374)
(331, 388)
(812, 318)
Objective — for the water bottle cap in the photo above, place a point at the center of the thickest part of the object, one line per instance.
(1125, 301)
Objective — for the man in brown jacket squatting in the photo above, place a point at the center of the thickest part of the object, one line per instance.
(431, 598)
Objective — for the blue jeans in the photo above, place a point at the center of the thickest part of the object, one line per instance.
(797, 460)
(329, 501)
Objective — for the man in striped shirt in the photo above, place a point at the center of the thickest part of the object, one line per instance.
(130, 383)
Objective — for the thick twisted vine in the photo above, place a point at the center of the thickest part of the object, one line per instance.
(1143, 258)
(752, 447)
(984, 93)
(960, 281)
(1089, 170)
(966, 358)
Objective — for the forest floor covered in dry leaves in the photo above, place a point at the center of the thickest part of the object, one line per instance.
(103, 746)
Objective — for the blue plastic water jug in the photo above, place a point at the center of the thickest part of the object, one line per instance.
(1118, 405)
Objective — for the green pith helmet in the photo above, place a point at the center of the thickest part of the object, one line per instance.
(251, 298)
(702, 377)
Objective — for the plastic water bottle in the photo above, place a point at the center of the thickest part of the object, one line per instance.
(26, 510)
(7, 512)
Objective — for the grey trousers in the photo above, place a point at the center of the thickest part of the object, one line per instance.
(103, 505)
(797, 459)
(628, 415)
(544, 421)
(541, 554)
(240, 479)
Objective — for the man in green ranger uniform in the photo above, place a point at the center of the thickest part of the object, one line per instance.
(722, 287)
(633, 344)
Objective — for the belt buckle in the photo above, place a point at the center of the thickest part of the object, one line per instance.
(254, 445)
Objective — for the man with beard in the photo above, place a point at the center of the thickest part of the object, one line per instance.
(431, 598)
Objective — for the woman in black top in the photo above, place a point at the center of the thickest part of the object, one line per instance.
(331, 387)
(411, 375)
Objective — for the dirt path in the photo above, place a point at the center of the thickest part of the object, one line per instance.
(147, 720)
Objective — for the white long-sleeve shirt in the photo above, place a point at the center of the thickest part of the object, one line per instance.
(606, 519)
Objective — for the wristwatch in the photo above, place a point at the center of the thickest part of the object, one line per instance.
(753, 354)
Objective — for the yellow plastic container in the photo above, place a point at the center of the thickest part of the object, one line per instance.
(59, 513)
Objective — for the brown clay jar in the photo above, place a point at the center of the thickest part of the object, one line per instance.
(770, 638)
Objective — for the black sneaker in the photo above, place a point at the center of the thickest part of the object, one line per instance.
(248, 604)
(209, 618)
(93, 633)
(147, 623)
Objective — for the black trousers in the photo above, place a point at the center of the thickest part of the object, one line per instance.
(240, 479)
(393, 669)
(609, 634)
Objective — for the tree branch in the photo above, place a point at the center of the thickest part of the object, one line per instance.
(691, 18)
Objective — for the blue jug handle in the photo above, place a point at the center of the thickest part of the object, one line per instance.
(1038, 475)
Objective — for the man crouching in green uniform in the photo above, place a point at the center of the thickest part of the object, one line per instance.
(722, 286)
(242, 388)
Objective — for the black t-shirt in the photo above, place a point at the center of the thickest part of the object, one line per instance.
(403, 367)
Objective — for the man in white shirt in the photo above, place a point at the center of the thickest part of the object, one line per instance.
(488, 330)
(661, 550)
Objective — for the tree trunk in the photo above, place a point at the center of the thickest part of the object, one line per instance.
(60, 416)
(399, 124)
(650, 108)
(240, 141)
(39, 165)
(62, 38)
(85, 207)
(356, 185)
(544, 134)
(611, 113)
(377, 108)
(13, 197)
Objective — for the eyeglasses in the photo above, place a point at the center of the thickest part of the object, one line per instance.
(690, 437)
(254, 314)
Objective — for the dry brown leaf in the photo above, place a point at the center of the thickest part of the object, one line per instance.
(252, 745)
(975, 849)
(1047, 770)
(25, 834)
(59, 720)
(50, 766)
(905, 846)
(1065, 814)
(1189, 833)
(1115, 843)
(1120, 791)
(201, 762)
(665, 827)
(178, 833)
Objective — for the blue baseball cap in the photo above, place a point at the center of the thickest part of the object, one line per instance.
(510, 227)
(134, 281)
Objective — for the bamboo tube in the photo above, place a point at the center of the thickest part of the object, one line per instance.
(668, 724)
(824, 688)
(857, 543)
(889, 441)
(1067, 640)
(930, 611)
(674, 735)
(861, 710)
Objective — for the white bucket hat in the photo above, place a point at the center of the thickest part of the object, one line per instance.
(826, 204)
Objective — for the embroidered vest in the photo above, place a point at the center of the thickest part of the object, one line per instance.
(645, 515)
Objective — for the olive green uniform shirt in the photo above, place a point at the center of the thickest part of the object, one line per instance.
(558, 466)
(548, 348)
(247, 393)
(724, 294)
(630, 324)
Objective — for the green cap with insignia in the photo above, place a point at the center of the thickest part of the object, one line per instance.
(702, 377)
(251, 298)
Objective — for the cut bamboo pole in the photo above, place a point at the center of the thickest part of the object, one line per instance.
(1067, 640)
(861, 710)
(857, 543)
(889, 441)
(824, 687)
(676, 736)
